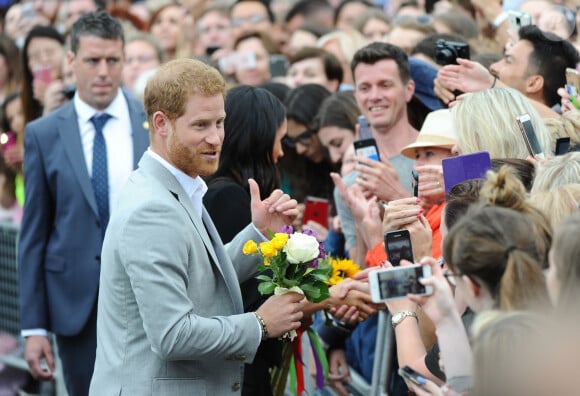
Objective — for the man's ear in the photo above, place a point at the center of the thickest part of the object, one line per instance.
(161, 123)
(409, 90)
(534, 84)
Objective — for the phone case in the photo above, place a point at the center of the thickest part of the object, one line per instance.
(395, 283)
(465, 167)
(529, 134)
(366, 148)
(398, 246)
(316, 209)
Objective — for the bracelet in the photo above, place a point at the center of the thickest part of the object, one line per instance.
(262, 325)
(495, 78)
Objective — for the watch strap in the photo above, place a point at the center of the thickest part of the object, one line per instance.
(398, 317)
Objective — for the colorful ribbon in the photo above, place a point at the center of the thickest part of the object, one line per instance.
(297, 365)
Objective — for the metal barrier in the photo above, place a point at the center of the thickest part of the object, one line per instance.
(9, 316)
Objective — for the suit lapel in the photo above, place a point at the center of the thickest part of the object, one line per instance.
(204, 226)
(70, 136)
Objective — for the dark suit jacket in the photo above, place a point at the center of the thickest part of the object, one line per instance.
(60, 238)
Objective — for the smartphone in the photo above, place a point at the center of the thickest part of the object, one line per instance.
(411, 375)
(394, 283)
(366, 148)
(236, 61)
(518, 19)
(465, 167)
(278, 65)
(398, 246)
(316, 209)
(529, 135)
(364, 128)
(562, 145)
(415, 182)
(7, 140)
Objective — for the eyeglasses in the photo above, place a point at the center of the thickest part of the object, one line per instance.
(450, 276)
(304, 138)
(252, 20)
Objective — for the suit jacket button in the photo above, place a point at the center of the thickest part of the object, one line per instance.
(236, 386)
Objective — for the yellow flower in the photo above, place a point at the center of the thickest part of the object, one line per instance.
(266, 262)
(279, 240)
(342, 269)
(250, 247)
(268, 250)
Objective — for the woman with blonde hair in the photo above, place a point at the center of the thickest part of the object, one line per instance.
(559, 171)
(486, 121)
(557, 204)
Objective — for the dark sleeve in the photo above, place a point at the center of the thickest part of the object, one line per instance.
(228, 204)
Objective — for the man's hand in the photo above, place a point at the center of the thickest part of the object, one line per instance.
(272, 213)
(36, 349)
(380, 179)
(466, 76)
(282, 313)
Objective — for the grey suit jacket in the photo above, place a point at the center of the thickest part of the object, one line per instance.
(170, 317)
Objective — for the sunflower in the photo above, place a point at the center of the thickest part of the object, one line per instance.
(341, 269)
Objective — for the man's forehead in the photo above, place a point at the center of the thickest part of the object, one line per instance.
(249, 8)
(385, 69)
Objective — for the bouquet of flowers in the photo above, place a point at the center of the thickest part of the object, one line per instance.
(296, 261)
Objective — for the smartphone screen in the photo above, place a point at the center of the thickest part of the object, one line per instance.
(316, 209)
(530, 137)
(398, 246)
(573, 78)
(465, 167)
(366, 148)
(562, 145)
(278, 65)
(394, 283)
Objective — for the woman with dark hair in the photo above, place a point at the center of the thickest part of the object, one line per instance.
(254, 128)
(253, 132)
(336, 121)
(42, 56)
(11, 72)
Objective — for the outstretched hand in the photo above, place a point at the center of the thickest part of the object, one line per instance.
(272, 213)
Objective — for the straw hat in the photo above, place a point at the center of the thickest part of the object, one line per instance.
(438, 130)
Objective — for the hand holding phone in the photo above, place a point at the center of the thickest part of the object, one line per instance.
(397, 282)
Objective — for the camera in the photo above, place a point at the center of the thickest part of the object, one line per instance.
(69, 91)
(447, 52)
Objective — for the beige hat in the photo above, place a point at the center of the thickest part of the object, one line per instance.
(438, 130)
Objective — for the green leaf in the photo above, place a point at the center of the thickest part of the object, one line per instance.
(266, 288)
(264, 278)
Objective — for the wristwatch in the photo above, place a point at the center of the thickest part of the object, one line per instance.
(398, 317)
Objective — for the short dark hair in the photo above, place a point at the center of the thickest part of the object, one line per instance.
(266, 40)
(254, 117)
(332, 66)
(305, 8)
(97, 23)
(550, 58)
(376, 52)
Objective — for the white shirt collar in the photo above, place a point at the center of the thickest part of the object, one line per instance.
(85, 111)
(195, 188)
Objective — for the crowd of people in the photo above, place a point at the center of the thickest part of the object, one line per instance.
(143, 142)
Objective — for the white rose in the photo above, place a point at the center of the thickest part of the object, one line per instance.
(301, 248)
